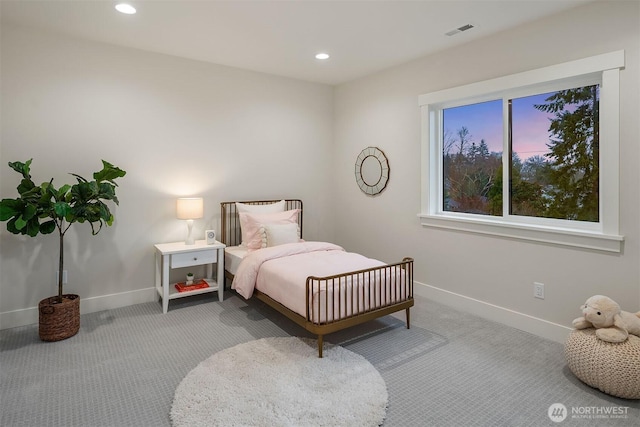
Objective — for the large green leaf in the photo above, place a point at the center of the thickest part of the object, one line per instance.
(25, 185)
(105, 214)
(32, 196)
(109, 172)
(9, 208)
(61, 209)
(47, 227)
(107, 191)
(62, 192)
(48, 192)
(21, 168)
(29, 212)
(11, 226)
(84, 192)
(20, 223)
(33, 227)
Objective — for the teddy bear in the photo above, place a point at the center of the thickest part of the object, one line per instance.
(611, 323)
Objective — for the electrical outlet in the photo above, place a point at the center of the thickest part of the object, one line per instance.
(538, 290)
(64, 276)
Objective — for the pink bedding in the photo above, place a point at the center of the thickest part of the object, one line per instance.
(281, 272)
(247, 275)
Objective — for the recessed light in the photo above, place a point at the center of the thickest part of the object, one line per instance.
(125, 8)
(322, 56)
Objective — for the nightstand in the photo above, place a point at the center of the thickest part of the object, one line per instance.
(178, 255)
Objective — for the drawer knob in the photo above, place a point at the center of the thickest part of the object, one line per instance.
(195, 258)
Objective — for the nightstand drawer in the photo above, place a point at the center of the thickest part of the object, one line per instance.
(193, 258)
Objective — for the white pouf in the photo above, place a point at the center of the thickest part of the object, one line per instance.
(613, 368)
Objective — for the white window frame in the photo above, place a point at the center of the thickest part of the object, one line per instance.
(604, 235)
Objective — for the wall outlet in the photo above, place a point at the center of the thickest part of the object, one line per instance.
(64, 277)
(538, 290)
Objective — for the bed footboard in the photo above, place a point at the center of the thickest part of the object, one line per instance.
(344, 300)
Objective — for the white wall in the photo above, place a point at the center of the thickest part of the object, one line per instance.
(489, 275)
(178, 127)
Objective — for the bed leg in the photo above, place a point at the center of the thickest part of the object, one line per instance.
(408, 319)
(320, 338)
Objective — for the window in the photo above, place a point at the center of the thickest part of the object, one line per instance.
(472, 158)
(531, 156)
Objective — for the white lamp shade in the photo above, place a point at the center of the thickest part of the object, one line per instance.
(190, 208)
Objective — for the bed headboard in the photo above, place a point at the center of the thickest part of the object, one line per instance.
(231, 234)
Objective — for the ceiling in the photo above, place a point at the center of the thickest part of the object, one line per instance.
(282, 37)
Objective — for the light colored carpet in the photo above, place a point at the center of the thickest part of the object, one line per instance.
(451, 369)
(281, 382)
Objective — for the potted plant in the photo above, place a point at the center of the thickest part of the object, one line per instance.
(189, 278)
(42, 210)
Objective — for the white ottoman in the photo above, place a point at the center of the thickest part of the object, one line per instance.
(613, 368)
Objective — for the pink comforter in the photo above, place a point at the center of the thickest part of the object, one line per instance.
(281, 272)
(245, 278)
(298, 261)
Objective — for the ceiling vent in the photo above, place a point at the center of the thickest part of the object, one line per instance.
(459, 30)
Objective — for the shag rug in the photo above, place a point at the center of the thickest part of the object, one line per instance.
(281, 382)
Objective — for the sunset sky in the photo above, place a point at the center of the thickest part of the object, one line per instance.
(484, 121)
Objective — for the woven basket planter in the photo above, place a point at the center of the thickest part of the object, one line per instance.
(59, 320)
(613, 368)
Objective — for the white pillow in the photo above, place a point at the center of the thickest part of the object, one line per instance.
(250, 223)
(279, 234)
(268, 208)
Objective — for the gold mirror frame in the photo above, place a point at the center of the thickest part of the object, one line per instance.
(379, 182)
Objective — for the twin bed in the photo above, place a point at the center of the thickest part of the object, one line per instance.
(317, 285)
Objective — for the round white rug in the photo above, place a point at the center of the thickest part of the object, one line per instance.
(281, 382)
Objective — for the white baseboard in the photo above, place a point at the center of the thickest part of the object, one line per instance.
(28, 316)
(524, 322)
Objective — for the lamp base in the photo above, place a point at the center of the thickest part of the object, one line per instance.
(190, 239)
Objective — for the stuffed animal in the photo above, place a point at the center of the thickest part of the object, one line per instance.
(611, 323)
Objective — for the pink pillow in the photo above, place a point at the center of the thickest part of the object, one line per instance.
(250, 224)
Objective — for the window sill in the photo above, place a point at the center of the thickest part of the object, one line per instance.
(548, 235)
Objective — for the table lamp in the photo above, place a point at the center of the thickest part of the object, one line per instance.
(190, 208)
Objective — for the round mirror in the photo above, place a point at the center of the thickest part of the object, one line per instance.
(372, 171)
